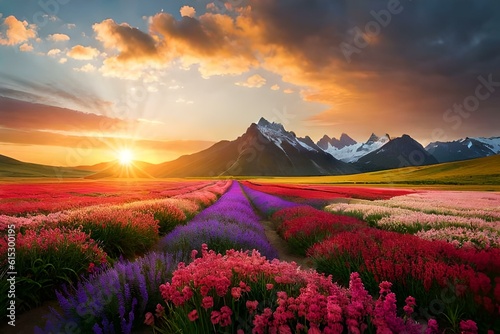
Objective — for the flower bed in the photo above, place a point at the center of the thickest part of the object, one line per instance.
(113, 300)
(252, 294)
(325, 192)
(47, 258)
(418, 267)
(230, 223)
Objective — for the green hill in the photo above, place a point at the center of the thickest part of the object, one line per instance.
(14, 168)
(481, 171)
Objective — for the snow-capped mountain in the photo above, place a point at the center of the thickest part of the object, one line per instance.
(276, 133)
(353, 152)
(398, 152)
(264, 149)
(464, 149)
(340, 143)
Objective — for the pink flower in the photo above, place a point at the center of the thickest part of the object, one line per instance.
(207, 302)
(252, 305)
(236, 293)
(385, 287)
(244, 286)
(194, 252)
(215, 317)
(225, 318)
(193, 315)
(149, 319)
(269, 286)
(160, 311)
(468, 327)
(432, 327)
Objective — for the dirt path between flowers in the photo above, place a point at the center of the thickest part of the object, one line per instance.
(283, 249)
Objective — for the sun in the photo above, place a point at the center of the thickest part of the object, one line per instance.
(125, 157)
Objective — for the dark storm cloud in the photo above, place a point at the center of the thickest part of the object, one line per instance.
(425, 58)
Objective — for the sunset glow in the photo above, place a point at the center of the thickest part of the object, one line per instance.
(125, 157)
(177, 77)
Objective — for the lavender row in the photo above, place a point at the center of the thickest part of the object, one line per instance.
(230, 223)
(113, 300)
(265, 203)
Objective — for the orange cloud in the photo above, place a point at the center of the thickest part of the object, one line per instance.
(58, 38)
(188, 11)
(22, 115)
(255, 81)
(53, 52)
(136, 50)
(80, 52)
(26, 47)
(85, 68)
(275, 87)
(17, 32)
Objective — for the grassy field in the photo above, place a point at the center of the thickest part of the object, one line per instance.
(478, 174)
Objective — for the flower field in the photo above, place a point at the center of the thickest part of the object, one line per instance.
(59, 247)
(196, 257)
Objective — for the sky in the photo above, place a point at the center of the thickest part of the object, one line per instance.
(81, 81)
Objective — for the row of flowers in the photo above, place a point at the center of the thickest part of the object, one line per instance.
(116, 299)
(22, 199)
(48, 253)
(231, 223)
(465, 231)
(421, 268)
(252, 294)
(325, 192)
(468, 204)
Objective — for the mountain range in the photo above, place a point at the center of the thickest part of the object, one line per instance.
(268, 149)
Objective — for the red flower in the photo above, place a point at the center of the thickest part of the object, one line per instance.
(149, 319)
(193, 315)
(207, 302)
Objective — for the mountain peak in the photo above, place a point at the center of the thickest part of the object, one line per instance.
(326, 138)
(345, 140)
(263, 122)
(373, 138)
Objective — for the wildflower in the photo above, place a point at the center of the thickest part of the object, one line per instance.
(468, 327)
(160, 311)
(149, 319)
(207, 302)
(194, 252)
(215, 317)
(236, 293)
(252, 306)
(193, 315)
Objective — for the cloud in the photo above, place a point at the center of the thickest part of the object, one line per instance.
(80, 52)
(53, 52)
(288, 91)
(136, 50)
(255, 81)
(188, 11)
(275, 87)
(85, 68)
(23, 115)
(58, 38)
(82, 141)
(70, 25)
(17, 32)
(67, 95)
(26, 47)
(63, 60)
(399, 70)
